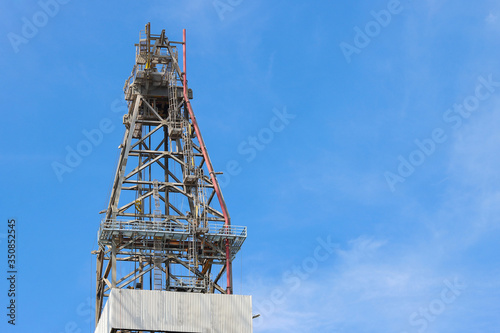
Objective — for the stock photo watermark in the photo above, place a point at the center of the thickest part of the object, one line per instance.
(253, 144)
(453, 117)
(222, 7)
(84, 311)
(12, 264)
(424, 316)
(364, 36)
(31, 26)
(91, 139)
(293, 278)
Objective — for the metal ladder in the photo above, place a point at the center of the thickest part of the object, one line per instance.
(157, 272)
(175, 124)
(172, 93)
(157, 210)
(188, 151)
(202, 200)
(158, 251)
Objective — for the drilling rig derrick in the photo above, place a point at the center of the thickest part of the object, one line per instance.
(166, 227)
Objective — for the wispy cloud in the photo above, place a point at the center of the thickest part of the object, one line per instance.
(376, 287)
(368, 286)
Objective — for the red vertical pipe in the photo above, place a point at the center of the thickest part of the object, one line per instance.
(227, 222)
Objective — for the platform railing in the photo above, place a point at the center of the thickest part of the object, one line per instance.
(213, 228)
(188, 282)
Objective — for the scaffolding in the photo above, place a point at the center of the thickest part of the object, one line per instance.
(166, 219)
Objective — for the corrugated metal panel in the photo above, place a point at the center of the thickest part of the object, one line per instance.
(175, 311)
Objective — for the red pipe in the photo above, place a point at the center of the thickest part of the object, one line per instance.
(227, 222)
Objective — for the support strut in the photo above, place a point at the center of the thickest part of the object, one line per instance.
(227, 221)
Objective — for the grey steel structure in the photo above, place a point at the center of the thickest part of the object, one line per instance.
(166, 226)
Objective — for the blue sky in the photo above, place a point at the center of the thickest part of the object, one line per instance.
(374, 208)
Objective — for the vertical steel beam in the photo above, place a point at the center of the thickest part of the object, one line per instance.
(99, 285)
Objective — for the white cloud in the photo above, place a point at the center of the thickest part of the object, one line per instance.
(491, 18)
(372, 284)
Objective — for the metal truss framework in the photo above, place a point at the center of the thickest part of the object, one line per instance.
(164, 228)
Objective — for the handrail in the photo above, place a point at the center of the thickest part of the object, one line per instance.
(213, 228)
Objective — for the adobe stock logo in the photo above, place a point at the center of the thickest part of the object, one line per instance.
(455, 117)
(92, 139)
(225, 6)
(372, 29)
(84, 148)
(253, 144)
(292, 279)
(30, 27)
(421, 320)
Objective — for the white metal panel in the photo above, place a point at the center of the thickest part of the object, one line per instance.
(176, 311)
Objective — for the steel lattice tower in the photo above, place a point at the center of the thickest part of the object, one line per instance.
(166, 226)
